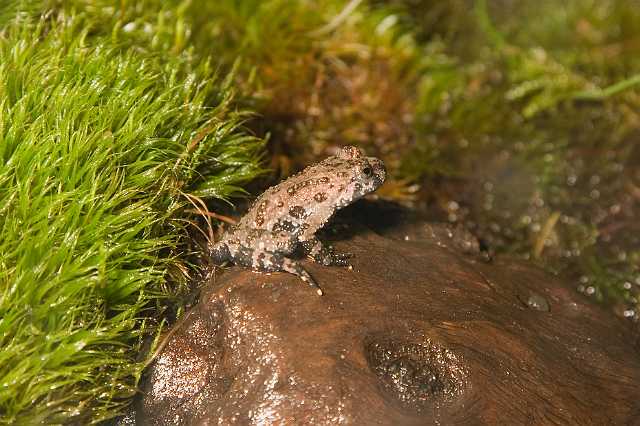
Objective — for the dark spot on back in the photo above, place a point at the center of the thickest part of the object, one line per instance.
(320, 197)
(298, 186)
(285, 226)
(297, 212)
(260, 212)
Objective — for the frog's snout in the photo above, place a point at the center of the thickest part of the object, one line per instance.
(379, 171)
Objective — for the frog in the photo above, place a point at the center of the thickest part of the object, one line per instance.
(284, 219)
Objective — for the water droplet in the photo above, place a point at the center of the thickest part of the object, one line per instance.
(532, 300)
(538, 303)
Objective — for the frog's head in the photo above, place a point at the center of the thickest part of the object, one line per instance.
(367, 173)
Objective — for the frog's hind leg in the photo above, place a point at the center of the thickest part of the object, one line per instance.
(274, 262)
(295, 268)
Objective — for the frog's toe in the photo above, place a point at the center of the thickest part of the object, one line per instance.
(340, 259)
(337, 259)
(327, 257)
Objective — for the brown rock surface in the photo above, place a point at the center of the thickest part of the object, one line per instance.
(416, 333)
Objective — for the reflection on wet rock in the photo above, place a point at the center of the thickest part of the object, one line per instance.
(416, 375)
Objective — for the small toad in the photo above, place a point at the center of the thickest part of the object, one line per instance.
(286, 216)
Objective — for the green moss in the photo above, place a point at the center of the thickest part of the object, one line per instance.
(318, 77)
(97, 147)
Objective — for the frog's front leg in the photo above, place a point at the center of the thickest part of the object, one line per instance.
(265, 261)
(324, 255)
(293, 267)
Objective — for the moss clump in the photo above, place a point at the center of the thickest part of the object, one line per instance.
(319, 74)
(98, 145)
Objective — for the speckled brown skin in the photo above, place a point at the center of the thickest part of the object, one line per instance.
(287, 216)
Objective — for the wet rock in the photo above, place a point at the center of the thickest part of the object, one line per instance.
(416, 333)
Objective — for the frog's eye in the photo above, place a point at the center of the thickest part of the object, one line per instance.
(367, 171)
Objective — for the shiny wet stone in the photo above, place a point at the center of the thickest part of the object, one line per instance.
(417, 333)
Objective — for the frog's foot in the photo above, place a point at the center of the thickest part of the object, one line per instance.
(295, 268)
(219, 253)
(323, 254)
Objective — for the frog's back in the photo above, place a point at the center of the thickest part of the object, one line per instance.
(304, 202)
